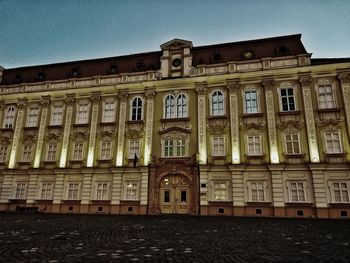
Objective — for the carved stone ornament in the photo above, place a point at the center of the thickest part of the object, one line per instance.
(79, 136)
(344, 77)
(305, 80)
(329, 122)
(233, 85)
(22, 102)
(95, 96)
(217, 125)
(174, 135)
(45, 100)
(290, 126)
(201, 88)
(150, 92)
(2, 104)
(70, 99)
(268, 83)
(123, 94)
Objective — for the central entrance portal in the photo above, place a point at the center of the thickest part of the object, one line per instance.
(175, 195)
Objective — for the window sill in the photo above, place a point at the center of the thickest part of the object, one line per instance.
(298, 204)
(129, 202)
(76, 161)
(292, 155)
(55, 126)
(248, 115)
(135, 122)
(7, 129)
(261, 204)
(107, 123)
(221, 203)
(325, 110)
(100, 202)
(43, 201)
(262, 156)
(18, 201)
(295, 112)
(330, 155)
(175, 119)
(340, 205)
(71, 201)
(50, 162)
(215, 117)
(77, 125)
(104, 160)
(30, 127)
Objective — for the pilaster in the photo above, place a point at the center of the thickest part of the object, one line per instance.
(237, 187)
(305, 81)
(95, 97)
(32, 188)
(116, 187)
(58, 194)
(42, 127)
(2, 109)
(123, 95)
(66, 131)
(144, 187)
(233, 87)
(271, 121)
(277, 189)
(86, 191)
(320, 188)
(203, 181)
(17, 133)
(149, 93)
(201, 89)
(344, 79)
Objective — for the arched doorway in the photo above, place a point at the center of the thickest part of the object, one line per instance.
(175, 195)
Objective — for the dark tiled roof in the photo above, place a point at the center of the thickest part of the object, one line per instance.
(220, 53)
(321, 61)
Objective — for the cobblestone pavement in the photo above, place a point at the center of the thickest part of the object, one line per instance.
(110, 238)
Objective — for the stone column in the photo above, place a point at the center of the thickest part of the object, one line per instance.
(201, 90)
(233, 87)
(320, 188)
(271, 121)
(277, 189)
(58, 193)
(344, 79)
(305, 81)
(116, 194)
(123, 95)
(32, 188)
(149, 93)
(86, 192)
(95, 97)
(238, 192)
(66, 131)
(17, 133)
(41, 134)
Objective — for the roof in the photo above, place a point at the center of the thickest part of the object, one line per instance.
(321, 61)
(211, 54)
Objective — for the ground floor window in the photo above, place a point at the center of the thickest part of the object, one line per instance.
(219, 191)
(257, 191)
(21, 191)
(131, 191)
(46, 189)
(340, 191)
(73, 191)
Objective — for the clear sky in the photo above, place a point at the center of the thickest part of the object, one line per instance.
(36, 32)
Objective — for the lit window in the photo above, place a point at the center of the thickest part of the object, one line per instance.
(46, 191)
(257, 191)
(131, 191)
(169, 107)
(108, 113)
(341, 192)
(56, 115)
(326, 95)
(33, 115)
(102, 191)
(51, 152)
(21, 189)
(297, 192)
(134, 149)
(27, 153)
(333, 143)
(136, 110)
(78, 151)
(220, 191)
(168, 148)
(9, 121)
(83, 113)
(287, 99)
(175, 108)
(217, 103)
(218, 146)
(179, 151)
(73, 191)
(106, 149)
(181, 147)
(251, 101)
(181, 106)
(254, 145)
(3, 153)
(292, 144)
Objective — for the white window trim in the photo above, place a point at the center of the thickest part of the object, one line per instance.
(6, 117)
(52, 120)
(247, 144)
(83, 151)
(331, 188)
(103, 116)
(82, 102)
(212, 190)
(35, 121)
(224, 146)
(142, 107)
(108, 194)
(250, 189)
(25, 191)
(289, 188)
(340, 142)
(67, 191)
(211, 102)
(137, 195)
(288, 85)
(174, 147)
(39, 195)
(175, 96)
(333, 88)
(286, 147)
(47, 151)
(132, 155)
(110, 149)
(5, 153)
(249, 89)
(30, 155)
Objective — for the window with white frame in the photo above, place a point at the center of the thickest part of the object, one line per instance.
(33, 116)
(297, 191)
(102, 192)
(27, 153)
(20, 191)
(82, 113)
(257, 191)
(131, 190)
(326, 95)
(333, 142)
(78, 151)
(175, 107)
(108, 111)
(3, 153)
(341, 192)
(217, 103)
(181, 104)
(219, 191)
(218, 146)
(174, 148)
(51, 152)
(254, 146)
(10, 114)
(134, 149)
(287, 99)
(46, 190)
(56, 114)
(106, 150)
(136, 109)
(73, 191)
(251, 101)
(169, 106)
(292, 143)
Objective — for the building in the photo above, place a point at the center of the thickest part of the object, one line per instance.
(251, 128)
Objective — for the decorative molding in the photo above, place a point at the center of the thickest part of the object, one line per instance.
(201, 88)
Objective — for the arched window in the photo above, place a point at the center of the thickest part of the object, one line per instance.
(175, 107)
(136, 111)
(217, 103)
(9, 121)
(181, 106)
(169, 107)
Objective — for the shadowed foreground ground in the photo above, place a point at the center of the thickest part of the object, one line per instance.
(109, 238)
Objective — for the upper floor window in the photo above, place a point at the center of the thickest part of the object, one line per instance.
(9, 120)
(217, 103)
(218, 146)
(174, 148)
(51, 152)
(56, 115)
(136, 109)
(3, 153)
(134, 149)
(78, 151)
(108, 111)
(287, 99)
(340, 191)
(251, 101)
(82, 113)
(292, 143)
(106, 150)
(254, 145)
(333, 142)
(33, 116)
(326, 95)
(27, 153)
(175, 107)
(297, 191)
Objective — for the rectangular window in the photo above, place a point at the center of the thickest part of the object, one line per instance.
(131, 191)
(108, 111)
(78, 151)
(254, 145)
(51, 152)
(292, 144)
(257, 191)
(106, 150)
(46, 191)
(134, 148)
(83, 113)
(251, 102)
(27, 153)
(220, 191)
(297, 192)
(341, 192)
(10, 115)
(56, 115)
(102, 191)
(333, 144)
(181, 147)
(73, 191)
(21, 189)
(287, 98)
(218, 146)
(168, 148)
(326, 96)
(174, 148)
(3, 154)
(32, 119)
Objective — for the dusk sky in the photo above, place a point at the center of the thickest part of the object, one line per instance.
(36, 32)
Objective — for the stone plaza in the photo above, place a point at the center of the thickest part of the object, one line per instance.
(35, 237)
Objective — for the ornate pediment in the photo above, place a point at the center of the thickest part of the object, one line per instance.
(176, 43)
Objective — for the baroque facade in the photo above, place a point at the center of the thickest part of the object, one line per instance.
(251, 128)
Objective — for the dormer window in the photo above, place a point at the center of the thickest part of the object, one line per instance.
(40, 76)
